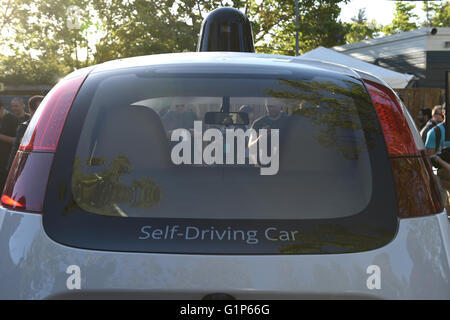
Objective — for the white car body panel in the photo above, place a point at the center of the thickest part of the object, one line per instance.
(415, 265)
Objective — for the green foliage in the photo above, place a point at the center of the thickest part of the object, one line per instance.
(38, 45)
(346, 105)
(42, 48)
(318, 25)
(103, 191)
(438, 14)
(22, 69)
(139, 27)
(8, 18)
(403, 19)
(361, 29)
(176, 25)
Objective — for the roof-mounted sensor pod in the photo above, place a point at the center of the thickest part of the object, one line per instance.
(226, 29)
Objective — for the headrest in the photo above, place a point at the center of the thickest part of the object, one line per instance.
(135, 132)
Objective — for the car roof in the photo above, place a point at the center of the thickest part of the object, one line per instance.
(222, 58)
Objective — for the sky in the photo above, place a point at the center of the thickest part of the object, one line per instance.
(380, 10)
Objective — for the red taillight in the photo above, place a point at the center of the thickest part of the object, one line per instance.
(417, 191)
(27, 179)
(45, 128)
(399, 139)
(10, 202)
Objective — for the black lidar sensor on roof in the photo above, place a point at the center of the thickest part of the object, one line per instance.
(226, 29)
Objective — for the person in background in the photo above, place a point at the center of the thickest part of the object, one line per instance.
(432, 147)
(18, 108)
(423, 117)
(8, 125)
(251, 113)
(179, 118)
(33, 104)
(437, 116)
(275, 118)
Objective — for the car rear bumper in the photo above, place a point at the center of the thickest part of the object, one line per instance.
(415, 265)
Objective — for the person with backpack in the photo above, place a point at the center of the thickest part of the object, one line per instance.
(435, 139)
(435, 143)
(436, 118)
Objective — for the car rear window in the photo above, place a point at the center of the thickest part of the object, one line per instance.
(146, 153)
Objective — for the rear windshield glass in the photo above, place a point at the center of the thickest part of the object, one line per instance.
(224, 145)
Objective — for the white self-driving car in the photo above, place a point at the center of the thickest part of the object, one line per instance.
(222, 174)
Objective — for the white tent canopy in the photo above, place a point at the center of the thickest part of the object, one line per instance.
(394, 79)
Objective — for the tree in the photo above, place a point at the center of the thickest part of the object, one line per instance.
(42, 44)
(167, 25)
(438, 14)
(403, 19)
(360, 29)
(23, 69)
(137, 27)
(318, 25)
(361, 17)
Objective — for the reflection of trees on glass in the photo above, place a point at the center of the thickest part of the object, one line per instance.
(333, 106)
(331, 238)
(102, 192)
(414, 196)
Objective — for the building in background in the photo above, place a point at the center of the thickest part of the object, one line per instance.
(395, 79)
(424, 53)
